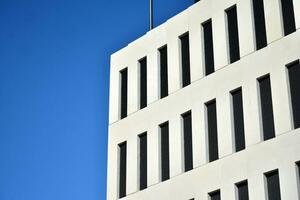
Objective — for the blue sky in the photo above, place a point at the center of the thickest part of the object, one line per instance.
(54, 83)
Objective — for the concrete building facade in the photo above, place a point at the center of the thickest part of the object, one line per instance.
(207, 105)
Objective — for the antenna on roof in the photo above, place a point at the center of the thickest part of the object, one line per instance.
(151, 15)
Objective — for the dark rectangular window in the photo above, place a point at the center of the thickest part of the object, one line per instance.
(242, 190)
(164, 148)
(216, 195)
(123, 93)
(288, 16)
(298, 174)
(188, 141)
(163, 54)
(238, 119)
(259, 24)
(185, 59)
(266, 107)
(143, 160)
(211, 112)
(122, 169)
(208, 47)
(294, 80)
(233, 34)
(273, 186)
(143, 82)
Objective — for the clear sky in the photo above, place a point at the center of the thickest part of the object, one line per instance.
(54, 83)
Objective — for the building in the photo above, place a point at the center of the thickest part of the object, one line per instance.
(207, 106)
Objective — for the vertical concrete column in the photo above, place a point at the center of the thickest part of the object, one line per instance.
(288, 181)
(174, 74)
(196, 52)
(281, 100)
(246, 27)
(132, 165)
(220, 39)
(114, 95)
(153, 166)
(251, 106)
(228, 191)
(256, 187)
(199, 139)
(273, 17)
(152, 76)
(297, 13)
(133, 87)
(112, 171)
(176, 146)
(224, 121)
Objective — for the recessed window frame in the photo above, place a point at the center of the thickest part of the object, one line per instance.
(122, 174)
(241, 144)
(238, 187)
(267, 176)
(187, 138)
(123, 93)
(185, 67)
(164, 152)
(163, 72)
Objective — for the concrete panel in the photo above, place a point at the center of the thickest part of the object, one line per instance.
(225, 131)
(132, 165)
(152, 76)
(246, 27)
(221, 51)
(196, 53)
(297, 12)
(199, 136)
(176, 146)
(281, 101)
(252, 117)
(114, 96)
(256, 187)
(133, 87)
(288, 181)
(274, 26)
(153, 164)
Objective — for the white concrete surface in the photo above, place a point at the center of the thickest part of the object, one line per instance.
(259, 157)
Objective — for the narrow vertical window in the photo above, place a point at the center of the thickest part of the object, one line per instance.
(233, 34)
(143, 82)
(143, 160)
(288, 16)
(185, 59)
(122, 169)
(164, 151)
(163, 54)
(294, 82)
(208, 47)
(242, 190)
(273, 186)
(298, 175)
(216, 195)
(259, 24)
(211, 112)
(123, 93)
(188, 142)
(266, 107)
(238, 119)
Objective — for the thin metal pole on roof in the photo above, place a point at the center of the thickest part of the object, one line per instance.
(151, 15)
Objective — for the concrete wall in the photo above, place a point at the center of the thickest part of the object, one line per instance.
(258, 157)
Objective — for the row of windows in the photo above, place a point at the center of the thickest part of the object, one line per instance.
(272, 187)
(267, 121)
(234, 50)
